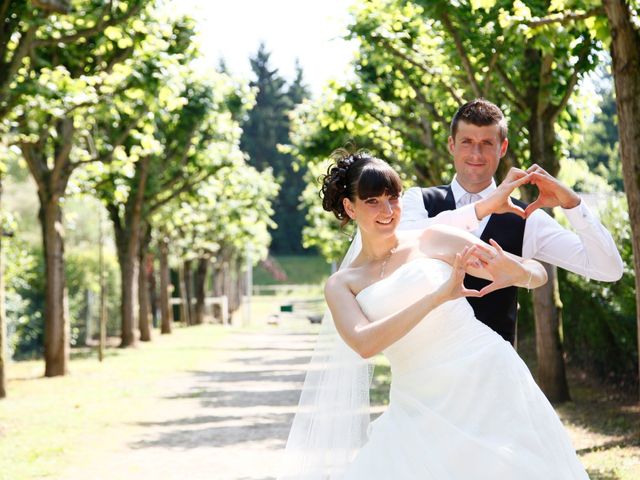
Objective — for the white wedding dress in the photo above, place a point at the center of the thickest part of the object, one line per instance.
(463, 405)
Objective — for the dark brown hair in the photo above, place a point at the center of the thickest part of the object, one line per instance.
(481, 113)
(354, 175)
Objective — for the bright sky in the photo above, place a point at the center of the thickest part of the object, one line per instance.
(309, 30)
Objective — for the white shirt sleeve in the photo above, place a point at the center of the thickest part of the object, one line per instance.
(590, 251)
(415, 216)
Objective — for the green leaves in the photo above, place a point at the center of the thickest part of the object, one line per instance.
(485, 4)
(225, 216)
(408, 82)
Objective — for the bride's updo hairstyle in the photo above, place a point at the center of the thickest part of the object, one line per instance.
(354, 175)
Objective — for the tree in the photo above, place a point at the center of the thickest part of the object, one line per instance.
(267, 126)
(625, 55)
(48, 107)
(28, 25)
(3, 317)
(186, 152)
(614, 22)
(178, 128)
(550, 63)
(220, 222)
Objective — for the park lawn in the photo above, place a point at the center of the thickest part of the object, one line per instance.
(47, 423)
(300, 270)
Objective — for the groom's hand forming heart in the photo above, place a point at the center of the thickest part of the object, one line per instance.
(552, 193)
(499, 201)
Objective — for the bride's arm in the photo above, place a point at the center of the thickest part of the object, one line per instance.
(504, 268)
(369, 338)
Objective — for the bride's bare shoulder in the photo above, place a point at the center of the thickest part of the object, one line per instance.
(342, 277)
(343, 280)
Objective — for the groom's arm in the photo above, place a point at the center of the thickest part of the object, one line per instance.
(415, 215)
(590, 251)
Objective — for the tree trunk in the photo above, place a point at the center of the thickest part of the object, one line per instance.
(234, 292)
(548, 314)
(143, 291)
(188, 290)
(227, 286)
(153, 289)
(144, 313)
(166, 313)
(56, 320)
(184, 304)
(127, 230)
(199, 287)
(625, 55)
(128, 281)
(241, 283)
(218, 279)
(217, 282)
(546, 300)
(3, 319)
(52, 179)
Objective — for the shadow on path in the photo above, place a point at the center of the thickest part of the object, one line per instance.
(238, 411)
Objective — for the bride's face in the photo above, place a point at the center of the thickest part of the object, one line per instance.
(376, 214)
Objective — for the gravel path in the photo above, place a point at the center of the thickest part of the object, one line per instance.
(228, 422)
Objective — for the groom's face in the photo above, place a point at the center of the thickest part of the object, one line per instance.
(476, 154)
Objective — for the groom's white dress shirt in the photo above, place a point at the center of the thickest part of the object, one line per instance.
(590, 251)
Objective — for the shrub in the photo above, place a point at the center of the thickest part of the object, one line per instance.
(25, 297)
(600, 328)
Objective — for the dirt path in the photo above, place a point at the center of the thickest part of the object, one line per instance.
(228, 421)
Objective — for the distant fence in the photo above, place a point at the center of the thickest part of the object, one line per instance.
(221, 301)
(280, 290)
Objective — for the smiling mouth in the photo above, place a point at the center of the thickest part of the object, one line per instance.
(385, 223)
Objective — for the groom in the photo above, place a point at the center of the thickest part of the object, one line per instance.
(477, 142)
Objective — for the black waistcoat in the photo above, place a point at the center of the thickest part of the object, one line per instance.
(498, 309)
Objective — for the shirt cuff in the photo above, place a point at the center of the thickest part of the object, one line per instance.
(580, 216)
(467, 216)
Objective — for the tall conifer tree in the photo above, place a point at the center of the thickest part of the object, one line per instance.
(266, 127)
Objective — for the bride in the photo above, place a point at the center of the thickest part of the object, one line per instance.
(462, 405)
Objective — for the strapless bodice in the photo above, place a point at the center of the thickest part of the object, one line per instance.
(442, 333)
(423, 274)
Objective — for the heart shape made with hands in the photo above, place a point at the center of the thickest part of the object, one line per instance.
(551, 192)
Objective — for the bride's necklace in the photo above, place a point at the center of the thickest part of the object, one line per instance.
(386, 259)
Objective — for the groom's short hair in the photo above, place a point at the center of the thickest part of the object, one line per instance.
(480, 112)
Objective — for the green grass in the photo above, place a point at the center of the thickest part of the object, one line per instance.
(606, 428)
(381, 381)
(300, 269)
(45, 423)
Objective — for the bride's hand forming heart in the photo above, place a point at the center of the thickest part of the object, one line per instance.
(454, 287)
(504, 270)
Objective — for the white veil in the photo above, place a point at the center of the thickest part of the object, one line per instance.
(332, 420)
